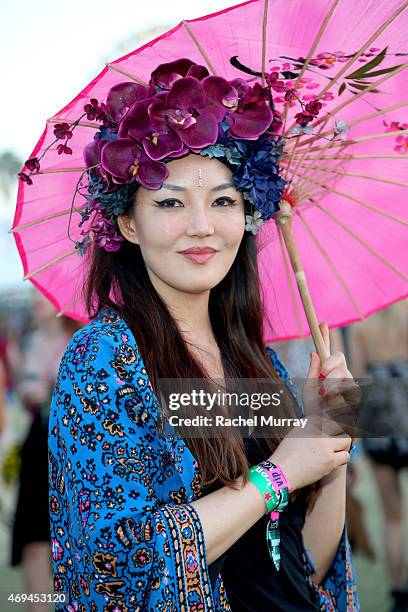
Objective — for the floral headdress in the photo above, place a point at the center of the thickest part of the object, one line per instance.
(183, 109)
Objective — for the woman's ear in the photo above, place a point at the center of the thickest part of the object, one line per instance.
(127, 228)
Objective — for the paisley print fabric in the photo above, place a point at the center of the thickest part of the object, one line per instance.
(125, 536)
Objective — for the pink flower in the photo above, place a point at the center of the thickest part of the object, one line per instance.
(402, 146)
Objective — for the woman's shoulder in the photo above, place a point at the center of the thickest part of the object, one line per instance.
(105, 339)
(106, 327)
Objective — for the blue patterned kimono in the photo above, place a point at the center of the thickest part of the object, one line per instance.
(124, 535)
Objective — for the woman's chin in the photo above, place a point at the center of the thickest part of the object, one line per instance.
(198, 283)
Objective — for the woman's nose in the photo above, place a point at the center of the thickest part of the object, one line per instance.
(200, 222)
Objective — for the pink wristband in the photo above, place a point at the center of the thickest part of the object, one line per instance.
(276, 476)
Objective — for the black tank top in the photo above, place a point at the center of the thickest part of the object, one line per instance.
(251, 581)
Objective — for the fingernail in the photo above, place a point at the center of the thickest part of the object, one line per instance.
(322, 376)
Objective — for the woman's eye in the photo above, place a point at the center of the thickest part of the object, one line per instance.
(169, 203)
(225, 201)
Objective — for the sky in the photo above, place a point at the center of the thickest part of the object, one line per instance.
(50, 50)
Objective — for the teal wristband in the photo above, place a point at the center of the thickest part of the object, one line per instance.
(258, 476)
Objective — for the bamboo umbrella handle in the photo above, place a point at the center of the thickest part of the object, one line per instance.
(284, 219)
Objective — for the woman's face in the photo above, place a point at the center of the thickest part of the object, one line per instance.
(189, 231)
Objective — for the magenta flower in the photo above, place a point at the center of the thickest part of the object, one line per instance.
(104, 233)
(95, 111)
(253, 115)
(186, 116)
(33, 164)
(121, 98)
(151, 130)
(309, 113)
(273, 81)
(166, 75)
(25, 178)
(92, 159)
(402, 144)
(277, 122)
(187, 112)
(62, 131)
(127, 162)
(64, 149)
(313, 107)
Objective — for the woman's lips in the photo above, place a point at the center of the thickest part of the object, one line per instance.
(199, 256)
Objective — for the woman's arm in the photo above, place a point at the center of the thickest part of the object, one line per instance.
(325, 523)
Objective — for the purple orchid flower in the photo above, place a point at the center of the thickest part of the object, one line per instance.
(250, 121)
(104, 233)
(166, 75)
(253, 115)
(127, 162)
(122, 96)
(154, 133)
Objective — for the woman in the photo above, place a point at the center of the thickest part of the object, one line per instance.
(379, 349)
(143, 519)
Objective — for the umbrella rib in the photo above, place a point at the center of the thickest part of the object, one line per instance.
(264, 27)
(290, 283)
(74, 301)
(312, 49)
(318, 173)
(133, 77)
(329, 260)
(352, 157)
(359, 53)
(199, 47)
(59, 170)
(370, 177)
(355, 122)
(80, 123)
(50, 263)
(357, 201)
(365, 244)
(342, 143)
(20, 228)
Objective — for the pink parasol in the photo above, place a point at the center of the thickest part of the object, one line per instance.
(347, 167)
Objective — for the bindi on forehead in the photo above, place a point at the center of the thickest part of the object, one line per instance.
(200, 182)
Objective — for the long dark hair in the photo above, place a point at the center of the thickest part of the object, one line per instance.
(120, 280)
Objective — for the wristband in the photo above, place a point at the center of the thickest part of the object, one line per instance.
(258, 476)
(277, 474)
(282, 487)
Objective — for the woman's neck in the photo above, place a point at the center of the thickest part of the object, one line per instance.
(190, 311)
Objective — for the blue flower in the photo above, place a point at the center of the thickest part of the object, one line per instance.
(258, 176)
(112, 203)
(105, 133)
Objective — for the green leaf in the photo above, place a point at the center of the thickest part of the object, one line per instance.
(363, 87)
(367, 67)
(376, 73)
(341, 89)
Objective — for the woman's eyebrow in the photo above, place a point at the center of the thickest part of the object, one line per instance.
(178, 188)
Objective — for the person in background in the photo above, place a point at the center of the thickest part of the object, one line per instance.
(379, 348)
(35, 377)
(2, 398)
